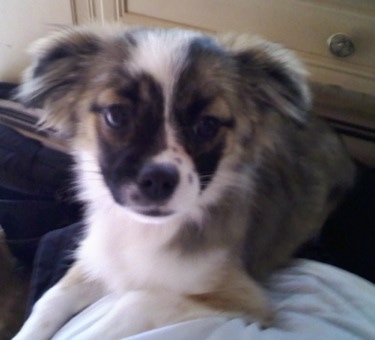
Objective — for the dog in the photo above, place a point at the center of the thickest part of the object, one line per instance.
(201, 168)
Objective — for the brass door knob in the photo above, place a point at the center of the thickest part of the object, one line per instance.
(340, 45)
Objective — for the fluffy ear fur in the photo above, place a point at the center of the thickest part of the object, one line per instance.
(53, 81)
(272, 75)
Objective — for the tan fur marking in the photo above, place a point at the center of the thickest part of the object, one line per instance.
(238, 293)
(73, 277)
(219, 109)
(108, 97)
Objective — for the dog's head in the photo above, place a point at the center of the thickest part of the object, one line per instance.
(164, 120)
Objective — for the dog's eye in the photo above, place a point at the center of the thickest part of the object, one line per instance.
(207, 127)
(116, 116)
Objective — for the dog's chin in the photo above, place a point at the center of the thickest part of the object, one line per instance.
(151, 215)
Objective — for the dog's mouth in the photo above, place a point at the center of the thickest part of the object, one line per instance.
(154, 212)
(132, 199)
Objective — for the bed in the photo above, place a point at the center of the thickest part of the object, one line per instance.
(311, 301)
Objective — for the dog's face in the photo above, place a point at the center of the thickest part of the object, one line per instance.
(166, 119)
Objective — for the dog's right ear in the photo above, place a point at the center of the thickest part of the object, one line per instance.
(52, 82)
(271, 75)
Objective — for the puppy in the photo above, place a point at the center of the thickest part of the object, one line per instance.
(200, 165)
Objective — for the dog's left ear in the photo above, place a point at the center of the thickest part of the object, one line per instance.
(271, 75)
(52, 82)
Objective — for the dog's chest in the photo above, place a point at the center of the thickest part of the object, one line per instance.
(130, 255)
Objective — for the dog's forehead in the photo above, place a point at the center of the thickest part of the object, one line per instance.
(160, 53)
(189, 67)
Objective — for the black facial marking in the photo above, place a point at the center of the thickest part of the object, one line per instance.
(198, 88)
(126, 150)
(197, 105)
(206, 128)
(207, 163)
(118, 166)
(130, 92)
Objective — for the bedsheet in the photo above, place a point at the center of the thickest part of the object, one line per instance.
(312, 301)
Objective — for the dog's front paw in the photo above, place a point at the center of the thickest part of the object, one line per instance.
(130, 314)
(140, 311)
(267, 319)
(263, 316)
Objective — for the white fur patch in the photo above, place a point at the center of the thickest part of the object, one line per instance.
(127, 254)
(161, 54)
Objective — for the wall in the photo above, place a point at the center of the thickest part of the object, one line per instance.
(23, 21)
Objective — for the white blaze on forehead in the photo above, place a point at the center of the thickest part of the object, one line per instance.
(162, 54)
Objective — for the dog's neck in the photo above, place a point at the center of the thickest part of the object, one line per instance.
(142, 254)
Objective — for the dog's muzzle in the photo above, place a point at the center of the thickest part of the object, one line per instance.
(157, 182)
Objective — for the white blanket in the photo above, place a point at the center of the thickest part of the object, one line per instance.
(312, 301)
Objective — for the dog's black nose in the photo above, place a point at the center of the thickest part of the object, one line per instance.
(158, 181)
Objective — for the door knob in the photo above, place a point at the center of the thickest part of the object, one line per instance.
(340, 45)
